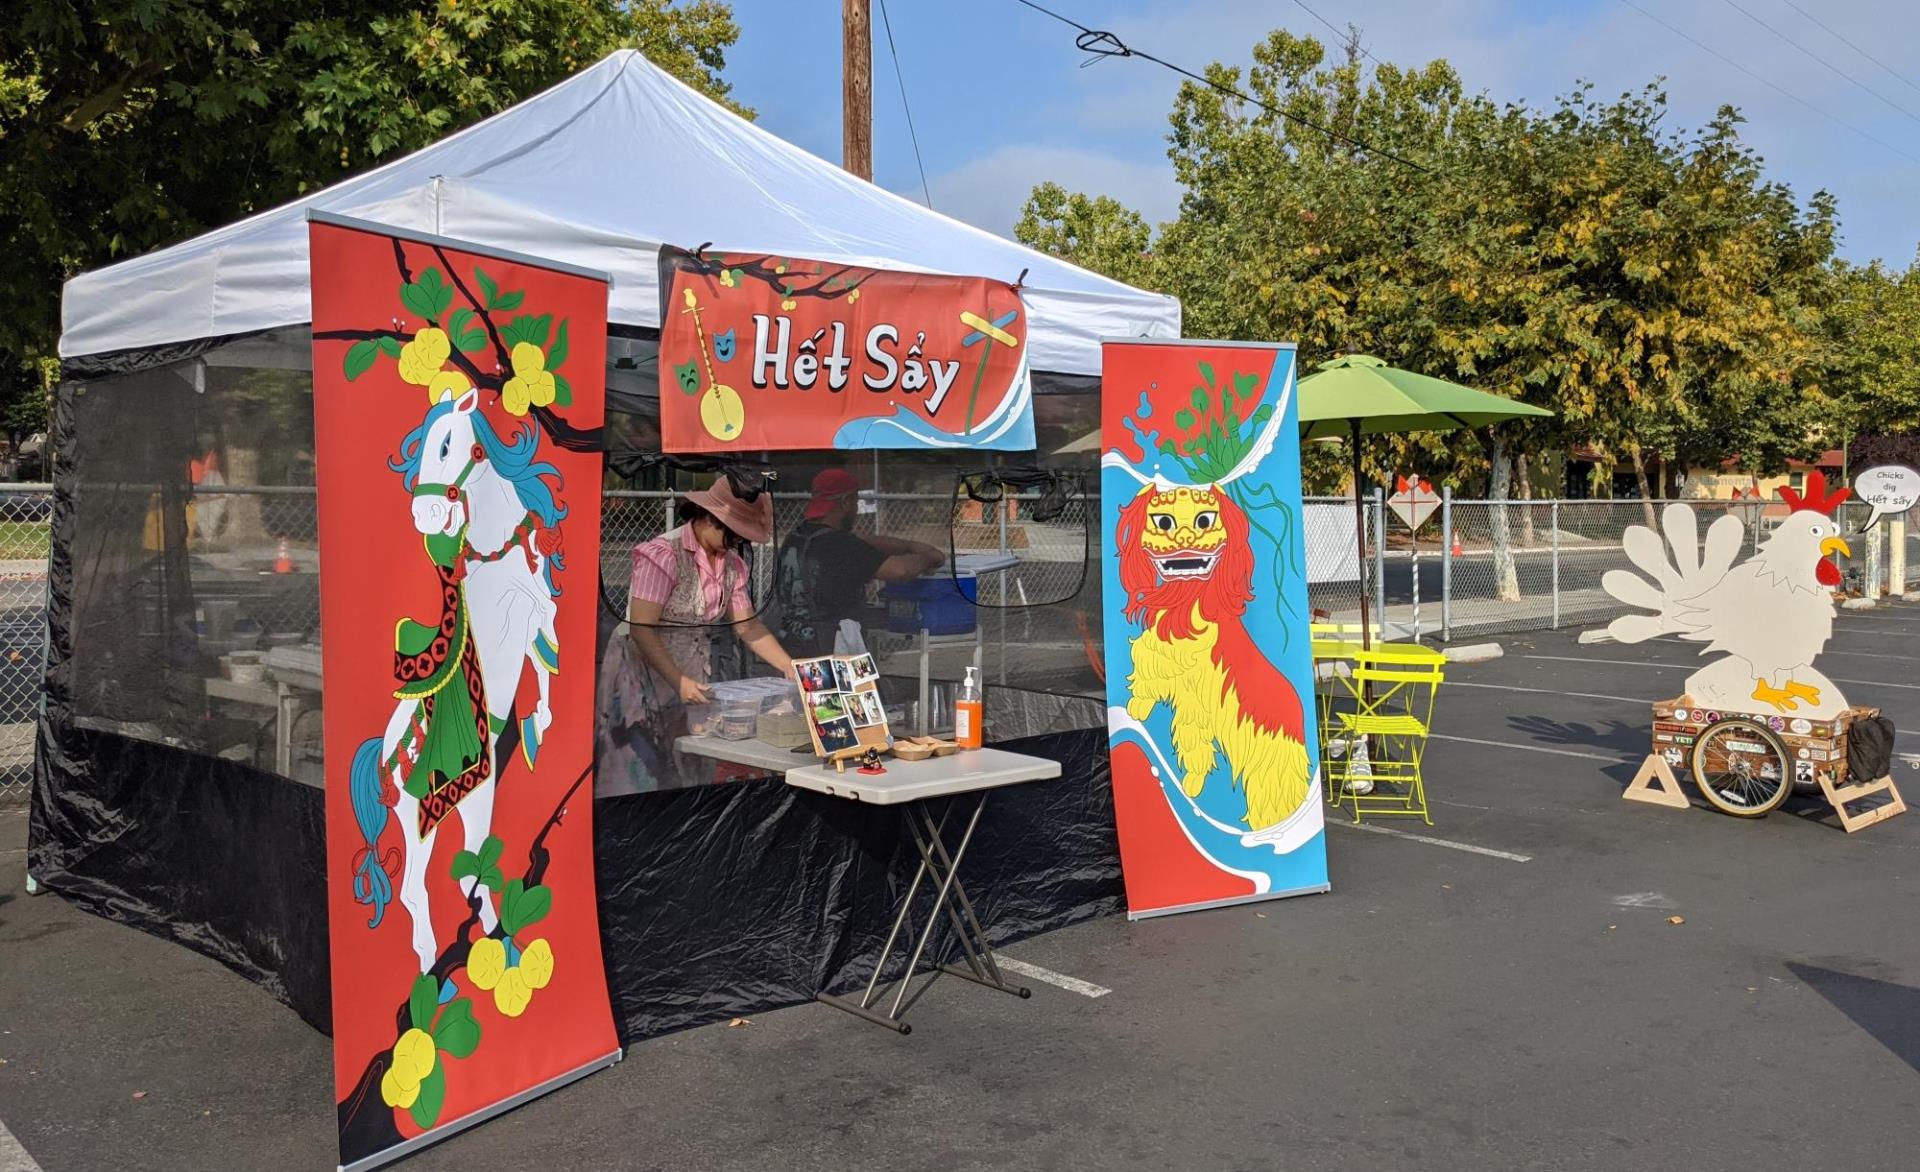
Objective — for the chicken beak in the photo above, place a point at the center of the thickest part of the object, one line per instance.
(1836, 544)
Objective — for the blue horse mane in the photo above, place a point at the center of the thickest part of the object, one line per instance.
(512, 458)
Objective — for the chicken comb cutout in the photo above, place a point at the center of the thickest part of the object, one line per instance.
(1817, 499)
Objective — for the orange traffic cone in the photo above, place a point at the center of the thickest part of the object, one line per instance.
(283, 559)
(1457, 551)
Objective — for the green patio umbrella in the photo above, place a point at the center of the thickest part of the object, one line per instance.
(1360, 395)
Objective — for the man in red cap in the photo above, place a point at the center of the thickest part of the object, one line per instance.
(821, 577)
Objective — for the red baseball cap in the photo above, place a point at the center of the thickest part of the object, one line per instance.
(830, 487)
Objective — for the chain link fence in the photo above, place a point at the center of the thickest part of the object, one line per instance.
(1479, 567)
(1484, 567)
(25, 512)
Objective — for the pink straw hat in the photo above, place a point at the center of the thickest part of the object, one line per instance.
(752, 520)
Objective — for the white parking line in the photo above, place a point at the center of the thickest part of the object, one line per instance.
(13, 1157)
(1059, 980)
(1531, 748)
(1547, 691)
(1432, 841)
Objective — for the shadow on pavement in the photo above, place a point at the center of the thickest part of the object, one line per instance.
(1889, 1013)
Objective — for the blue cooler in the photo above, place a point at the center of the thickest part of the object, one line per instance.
(941, 605)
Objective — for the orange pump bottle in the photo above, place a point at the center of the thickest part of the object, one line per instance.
(967, 713)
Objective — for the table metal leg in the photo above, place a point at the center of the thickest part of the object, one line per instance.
(951, 904)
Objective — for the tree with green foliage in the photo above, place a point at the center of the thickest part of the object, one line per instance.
(1648, 285)
(126, 125)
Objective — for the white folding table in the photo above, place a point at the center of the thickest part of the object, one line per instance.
(915, 786)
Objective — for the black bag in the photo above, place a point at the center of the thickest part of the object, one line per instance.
(1870, 749)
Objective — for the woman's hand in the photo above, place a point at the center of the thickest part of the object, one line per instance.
(692, 691)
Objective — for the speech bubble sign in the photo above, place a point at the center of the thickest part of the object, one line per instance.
(1891, 489)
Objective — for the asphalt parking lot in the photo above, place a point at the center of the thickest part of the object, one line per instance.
(1507, 990)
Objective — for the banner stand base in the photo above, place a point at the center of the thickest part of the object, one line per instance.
(449, 1130)
(1316, 889)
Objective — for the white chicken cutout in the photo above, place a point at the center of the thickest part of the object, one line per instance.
(1767, 618)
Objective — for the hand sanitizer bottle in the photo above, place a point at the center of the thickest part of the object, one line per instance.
(967, 708)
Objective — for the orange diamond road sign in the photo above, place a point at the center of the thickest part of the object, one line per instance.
(1413, 501)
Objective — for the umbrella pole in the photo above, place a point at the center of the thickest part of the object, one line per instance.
(1360, 536)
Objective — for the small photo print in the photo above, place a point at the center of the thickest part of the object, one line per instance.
(829, 706)
(843, 675)
(836, 735)
(815, 675)
(866, 709)
(864, 669)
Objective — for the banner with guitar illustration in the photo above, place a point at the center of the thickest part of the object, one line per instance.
(458, 395)
(1210, 719)
(761, 353)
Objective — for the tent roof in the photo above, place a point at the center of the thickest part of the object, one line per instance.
(599, 171)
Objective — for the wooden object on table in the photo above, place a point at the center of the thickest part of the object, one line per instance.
(1841, 796)
(1666, 792)
(921, 748)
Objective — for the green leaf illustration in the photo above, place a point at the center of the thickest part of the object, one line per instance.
(490, 850)
(489, 288)
(416, 300)
(532, 906)
(457, 1032)
(438, 293)
(467, 336)
(423, 1000)
(509, 300)
(466, 865)
(509, 905)
(558, 354)
(389, 345)
(1206, 372)
(359, 358)
(1183, 418)
(433, 1095)
(562, 391)
(1200, 400)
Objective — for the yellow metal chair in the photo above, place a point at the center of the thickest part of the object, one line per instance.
(1394, 688)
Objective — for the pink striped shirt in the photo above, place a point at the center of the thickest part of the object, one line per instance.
(656, 567)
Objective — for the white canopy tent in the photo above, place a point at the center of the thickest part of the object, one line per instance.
(599, 171)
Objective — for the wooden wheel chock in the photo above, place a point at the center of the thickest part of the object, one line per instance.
(1840, 796)
(1656, 785)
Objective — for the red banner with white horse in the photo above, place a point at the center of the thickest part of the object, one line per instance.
(459, 522)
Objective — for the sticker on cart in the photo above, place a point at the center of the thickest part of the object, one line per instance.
(1674, 757)
(1661, 738)
(1683, 740)
(1806, 754)
(1662, 726)
(1770, 770)
(1744, 747)
(1711, 718)
(1776, 723)
(1680, 714)
(1800, 725)
(1803, 772)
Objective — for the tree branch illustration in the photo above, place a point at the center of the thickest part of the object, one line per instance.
(788, 284)
(375, 1125)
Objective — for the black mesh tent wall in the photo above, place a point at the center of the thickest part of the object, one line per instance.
(173, 793)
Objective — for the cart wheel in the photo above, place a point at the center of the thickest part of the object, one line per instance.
(1742, 768)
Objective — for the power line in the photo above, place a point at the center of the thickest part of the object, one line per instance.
(1831, 67)
(1101, 43)
(886, 22)
(1337, 31)
(1768, 82)
(1837, 35)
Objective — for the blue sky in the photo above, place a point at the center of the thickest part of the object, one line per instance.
(1001, 101)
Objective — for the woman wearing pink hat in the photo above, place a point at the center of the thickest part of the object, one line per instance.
(688, 583)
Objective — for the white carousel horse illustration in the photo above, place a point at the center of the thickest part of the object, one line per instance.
(484, 508)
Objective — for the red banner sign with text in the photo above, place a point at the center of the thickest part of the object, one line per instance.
(761, 353)
(459, 548)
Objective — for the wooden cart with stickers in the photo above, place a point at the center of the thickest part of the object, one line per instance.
(1746, 764)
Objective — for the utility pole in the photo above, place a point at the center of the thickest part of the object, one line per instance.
(856, 71)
